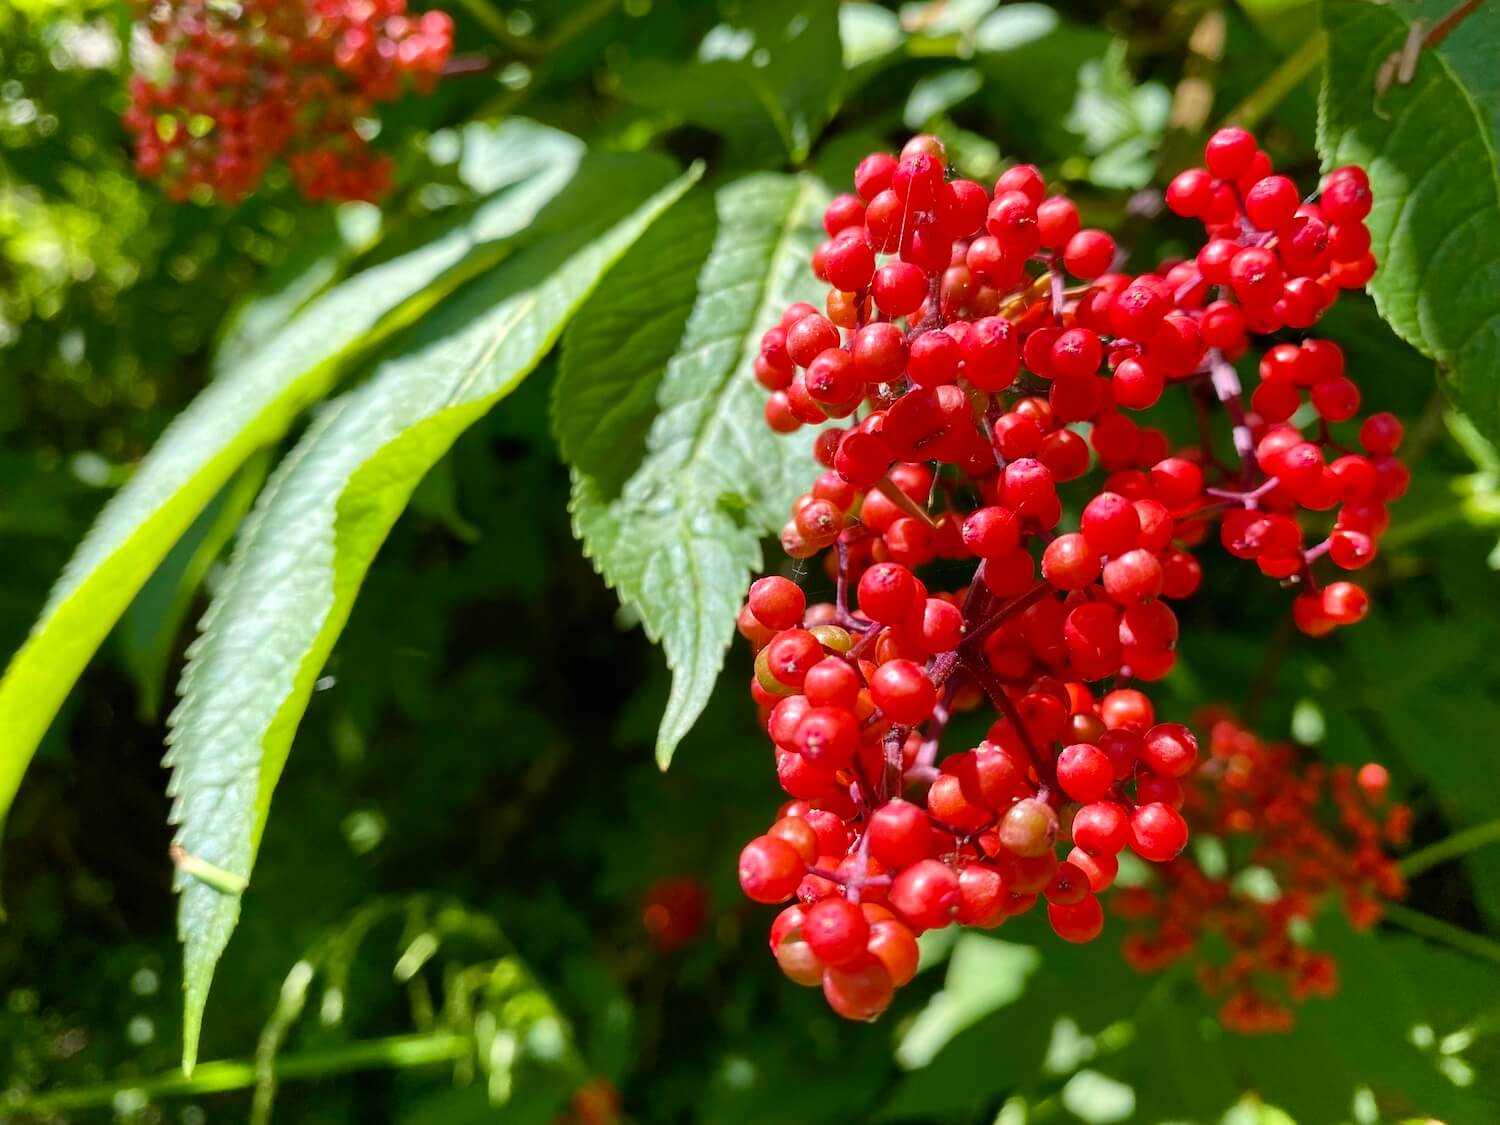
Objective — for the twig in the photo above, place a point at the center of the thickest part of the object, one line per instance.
(394, 1052)
(1435, 929)
(1279, 83)
(1451, 847)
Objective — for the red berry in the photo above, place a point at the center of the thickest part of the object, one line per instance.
(1229, 153)
(900, 834)
(902, 690)
(873, 175)
(1085, 772)
(1079, 922)
(860, 990)
(1169, 749)
(836, 930)
(1069, 563)
(809, 337)
(1089, 254)
(1157, 832)
(926, 894)
(777, 602)
(1101, 828)
(770, 869)
(1271, 202)
(1190, 194)
(892, 943)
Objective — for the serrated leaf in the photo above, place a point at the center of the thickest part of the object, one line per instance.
(149, 629)
(306, 548)
(1430, 149)
(239, 413)
(615, 352)
(680, 540)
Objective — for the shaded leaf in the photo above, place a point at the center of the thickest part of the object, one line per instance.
(680, 540)
(616, 350)
(1430, 150)
(768, 80)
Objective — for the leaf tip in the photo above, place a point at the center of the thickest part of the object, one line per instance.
(666, 746)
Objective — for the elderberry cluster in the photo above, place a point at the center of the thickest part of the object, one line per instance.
(1319, 833)
(979, 351)
(258, 80)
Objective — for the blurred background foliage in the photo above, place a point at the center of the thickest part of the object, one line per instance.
(478, 756)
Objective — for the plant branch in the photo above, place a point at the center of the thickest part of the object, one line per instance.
(1435, 929)
(396, 1052)
(1452, 847)
(1279, 83)
(982, 675)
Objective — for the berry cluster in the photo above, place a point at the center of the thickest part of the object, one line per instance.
(1320, 833)
(261, 79)
(983, 350)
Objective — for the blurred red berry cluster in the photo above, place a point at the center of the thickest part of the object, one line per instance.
(1319, 833)
(978, 352)
(249, 83)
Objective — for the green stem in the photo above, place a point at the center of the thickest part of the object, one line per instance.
(396, 1052)
(577, 23)
(1279, 83)
(1435, 929)
(489, 17)
(1460, 843)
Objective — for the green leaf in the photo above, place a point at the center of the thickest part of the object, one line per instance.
(315, 530)
(935, 94)
(983, 975)
(148, 630)
(616, 350)
(239, 413)
(1121, 123)
(767, 81)
(682, 536)
(868, 32)
(1400, 998)
(1034, 64)
(1430, 150)
(996, 1026)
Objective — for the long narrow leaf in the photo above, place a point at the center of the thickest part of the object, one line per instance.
(305, 550)
(242, 411)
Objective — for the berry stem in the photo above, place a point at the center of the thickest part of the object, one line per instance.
(890, 777)
(1435, 929)
(1226, 384)
(892, 492)
(462, 65)
(846, 881)
(1279, 83)
(928, 751)
(1018, 604)
(1451, 847)
(982, 674)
